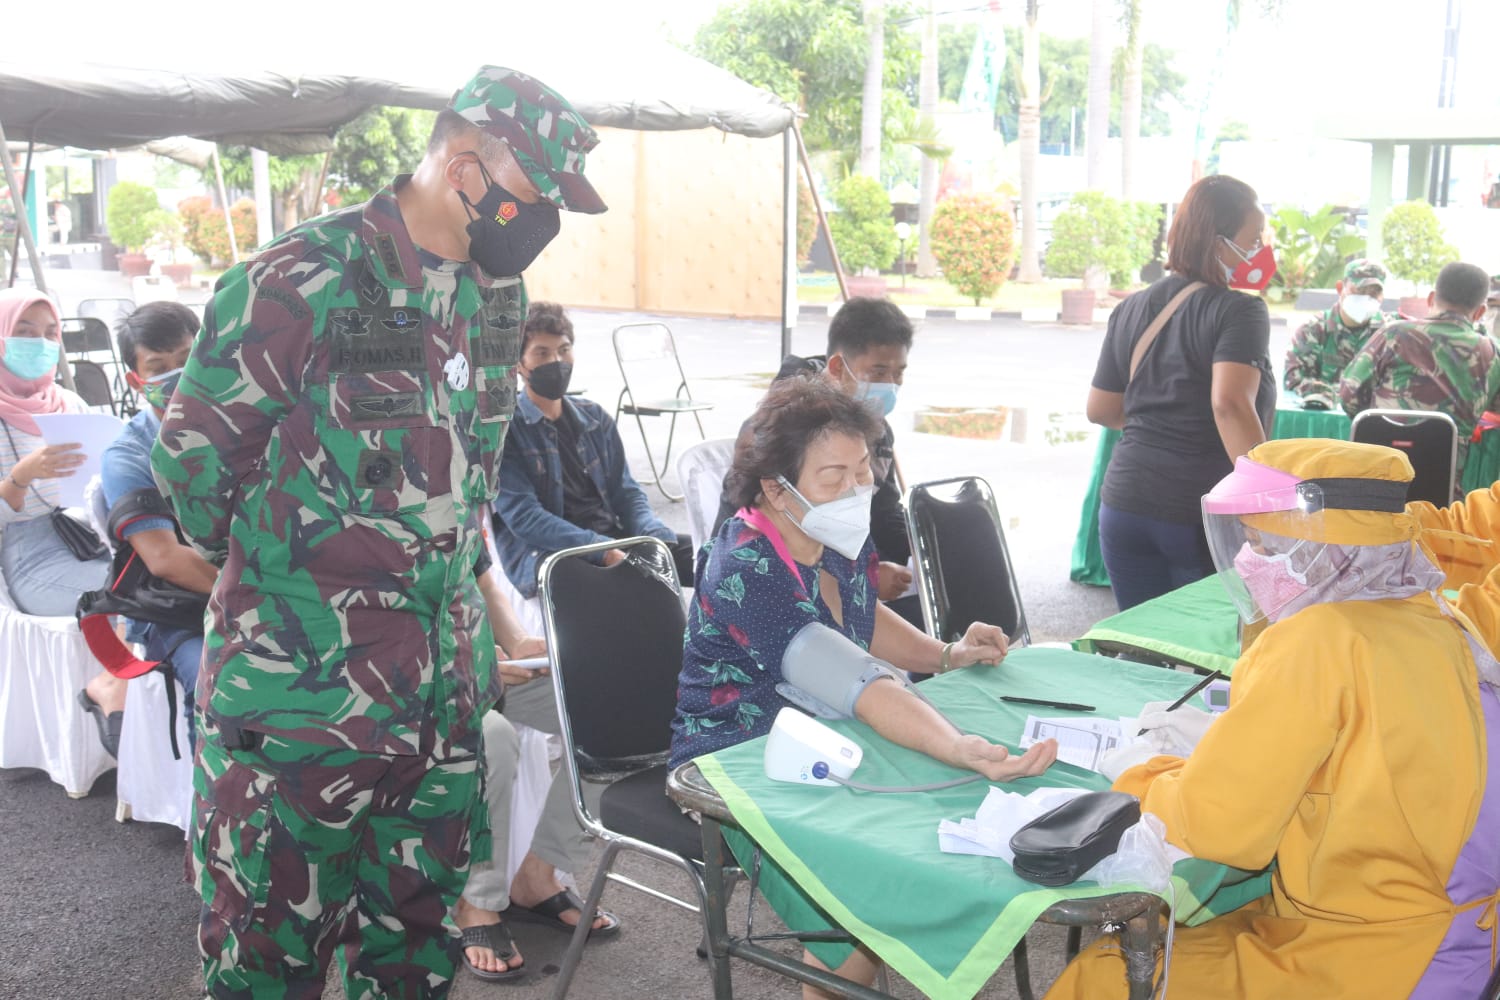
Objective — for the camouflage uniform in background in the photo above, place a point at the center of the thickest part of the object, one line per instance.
(1323, 346)
(341, 417)
(1440, 363)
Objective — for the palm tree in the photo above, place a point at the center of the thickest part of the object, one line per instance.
(1029, 115)
(1097, 114)
(927, 101)
(1130, 94)
(871, 108)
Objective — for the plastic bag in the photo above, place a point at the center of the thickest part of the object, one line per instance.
(1142, 859)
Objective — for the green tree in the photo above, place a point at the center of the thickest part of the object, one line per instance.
(1065, 73)
(1414, 244)
(863, 230)
(1230, 131)
(367, 153)
(1095, 230)
(375, 147)
(132, 214)
(812, 53)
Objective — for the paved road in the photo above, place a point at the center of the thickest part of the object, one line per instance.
(92, 909)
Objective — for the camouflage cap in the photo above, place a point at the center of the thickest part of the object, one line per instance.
(1361, 271)
(547, 135)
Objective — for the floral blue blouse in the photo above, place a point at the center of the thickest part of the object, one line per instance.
(747, 606)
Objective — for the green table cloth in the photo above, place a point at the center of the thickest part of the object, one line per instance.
(1196, 624)
(947, 921)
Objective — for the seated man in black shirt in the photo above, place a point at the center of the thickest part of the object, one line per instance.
(563, 478)
(868, 342)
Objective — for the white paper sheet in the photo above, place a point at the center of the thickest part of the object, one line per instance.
(95, 431)
(1081, 741)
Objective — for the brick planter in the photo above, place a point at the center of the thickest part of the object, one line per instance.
(984, 423)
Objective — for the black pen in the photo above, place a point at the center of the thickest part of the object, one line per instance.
(1069, 706)
(1205, 682)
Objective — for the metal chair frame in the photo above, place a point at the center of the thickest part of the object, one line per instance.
(658, 562)
(682, 401)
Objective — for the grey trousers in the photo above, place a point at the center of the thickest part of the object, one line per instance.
(558, 840)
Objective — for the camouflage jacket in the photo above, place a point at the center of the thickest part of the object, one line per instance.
(1439, 363)
(332, 445)
(1321, 349)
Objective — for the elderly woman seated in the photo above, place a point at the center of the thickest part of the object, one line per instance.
(798, 552)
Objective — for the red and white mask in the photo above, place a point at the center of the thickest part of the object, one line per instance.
(1254, 270)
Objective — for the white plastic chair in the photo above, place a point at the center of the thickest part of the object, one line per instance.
(44, 663)
(700, 471)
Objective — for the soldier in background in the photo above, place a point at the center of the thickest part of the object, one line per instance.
(1439, 363)
(1324, 345)
(331, 447)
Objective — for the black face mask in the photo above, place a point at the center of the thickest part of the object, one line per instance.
(550, 381)
(506, 233)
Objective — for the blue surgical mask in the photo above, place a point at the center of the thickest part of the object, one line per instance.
(880, 397)
(31, 357)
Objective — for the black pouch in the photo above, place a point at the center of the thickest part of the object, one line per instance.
(1059, 846)
(80, 539)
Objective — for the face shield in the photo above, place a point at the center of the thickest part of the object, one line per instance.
(1263, 527)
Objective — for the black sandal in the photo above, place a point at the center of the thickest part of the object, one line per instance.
(497, 939)
(549, 913)
(109, 725)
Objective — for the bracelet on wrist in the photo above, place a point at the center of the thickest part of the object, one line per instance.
(944, 664)
(16, 482)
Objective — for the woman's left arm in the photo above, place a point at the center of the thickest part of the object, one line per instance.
(1233, 392)
(899, 643)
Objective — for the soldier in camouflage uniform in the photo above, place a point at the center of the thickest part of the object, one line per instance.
(331, 447)
(1323, 346)
(1439, 363)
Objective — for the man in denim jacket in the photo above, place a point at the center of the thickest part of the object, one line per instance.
(563, 478)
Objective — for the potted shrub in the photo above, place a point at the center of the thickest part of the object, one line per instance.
(204, 231)
(1098, 238)
(974, 242)
(165, 245)
(1415, 250)
(132, 215)
(864, 233)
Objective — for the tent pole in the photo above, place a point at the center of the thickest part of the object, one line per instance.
(18, 199)
(23, 230)
(234, 244)
(833, 251)
(788, 241)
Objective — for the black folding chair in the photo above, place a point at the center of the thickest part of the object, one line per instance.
(1430, 440)
(110, 311)
(655, 386)
(963, 569)
(614, 639)
(87, 339)
(92, 384)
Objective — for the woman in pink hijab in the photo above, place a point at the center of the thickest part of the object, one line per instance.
(41, 573)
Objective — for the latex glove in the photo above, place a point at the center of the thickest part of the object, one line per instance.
(1113, 763)
(1175, 732)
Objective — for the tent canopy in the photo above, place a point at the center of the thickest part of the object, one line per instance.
(304, 97)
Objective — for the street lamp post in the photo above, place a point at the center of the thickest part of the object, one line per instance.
(903, 234)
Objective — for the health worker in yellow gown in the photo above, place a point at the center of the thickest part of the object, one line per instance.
(1357, 751)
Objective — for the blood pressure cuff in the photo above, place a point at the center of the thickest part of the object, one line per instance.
(1058, 846)
(825, 672)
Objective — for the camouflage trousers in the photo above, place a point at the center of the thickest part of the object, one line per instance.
(299, 849)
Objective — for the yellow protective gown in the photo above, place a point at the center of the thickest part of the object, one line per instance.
(1352, 755)
(1464, 560)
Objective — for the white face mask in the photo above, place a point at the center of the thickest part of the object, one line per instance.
(1358, 309)
(842, 524)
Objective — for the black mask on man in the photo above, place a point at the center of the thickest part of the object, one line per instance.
(550, 381)
(506, 234)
